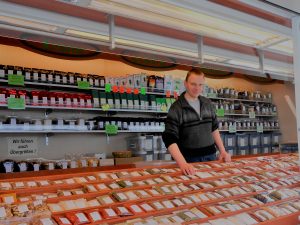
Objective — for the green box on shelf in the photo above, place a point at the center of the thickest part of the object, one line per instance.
(85, 85)
(220, 112)
(111, 129)
(16, 103)
(14, 79)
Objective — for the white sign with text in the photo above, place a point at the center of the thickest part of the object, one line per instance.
(22, 146)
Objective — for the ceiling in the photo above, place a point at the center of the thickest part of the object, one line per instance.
(246, 36)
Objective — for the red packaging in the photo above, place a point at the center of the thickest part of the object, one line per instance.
(123, 211)
(108, 213)
(81, 101)
(77, 218)
(88, 99)
(52, 96)
(35, 97)
(68, 99)
(44, 96)
(12, 93)
(75, 102)
(62, 220)
(60, 97)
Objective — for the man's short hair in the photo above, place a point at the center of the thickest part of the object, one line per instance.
(194, 71)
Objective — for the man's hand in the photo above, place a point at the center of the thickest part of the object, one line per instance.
(187, 169)
(225, 156)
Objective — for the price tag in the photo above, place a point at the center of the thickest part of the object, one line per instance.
(121, 89)
(111, 129)
(107, 87)
(15, 79)
(211, 95)
(164, 108)
(105, 107)
(168, 94)
(115, 89)
(220, 112)
(143, 90)
(260, 128)
(128, 90)
(232, 128)
(16, 103)
(252, 115)
(83, 85)
(175, 94)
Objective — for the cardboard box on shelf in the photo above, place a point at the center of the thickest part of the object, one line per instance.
(106, 162)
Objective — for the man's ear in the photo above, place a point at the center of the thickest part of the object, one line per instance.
(185, 83)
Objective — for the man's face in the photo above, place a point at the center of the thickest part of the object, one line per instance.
(194, 85)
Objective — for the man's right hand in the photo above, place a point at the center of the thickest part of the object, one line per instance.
(187, 169)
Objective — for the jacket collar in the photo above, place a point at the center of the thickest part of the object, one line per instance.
(184, 102)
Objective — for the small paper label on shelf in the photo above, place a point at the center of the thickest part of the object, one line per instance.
(143, 91)
(15, 79)
(15, 103)
(260, 128)
(220, 112)
(211, 95)
(83, 85)
(105, 107)
(111, 129)
(252, 115)
(232, 128)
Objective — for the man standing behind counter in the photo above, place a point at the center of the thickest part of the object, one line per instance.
(191, 132)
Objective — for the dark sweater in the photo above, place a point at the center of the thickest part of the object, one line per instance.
(191, 132)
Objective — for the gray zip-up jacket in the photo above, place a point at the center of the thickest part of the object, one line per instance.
(191, 132)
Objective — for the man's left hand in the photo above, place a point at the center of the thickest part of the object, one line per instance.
(225, 156)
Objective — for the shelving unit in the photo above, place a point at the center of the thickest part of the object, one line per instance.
(255, 172)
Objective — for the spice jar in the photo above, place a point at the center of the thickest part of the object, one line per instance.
(71, 77)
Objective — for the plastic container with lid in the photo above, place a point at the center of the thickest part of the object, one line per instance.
(2, 71)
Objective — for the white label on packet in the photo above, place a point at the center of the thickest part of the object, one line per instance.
(2, 212)
(82, 217)
(46, 221)
(136, 208)
(95, 216)
(146, 207)
(123, 210)
(168, 204)
(110, 212)
(107, 200)
(23, 208)
(64, 220)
